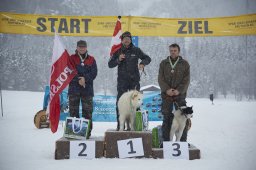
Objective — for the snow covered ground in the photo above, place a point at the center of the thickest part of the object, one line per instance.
(224, 132)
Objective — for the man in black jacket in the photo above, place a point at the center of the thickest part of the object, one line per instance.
(127, 58)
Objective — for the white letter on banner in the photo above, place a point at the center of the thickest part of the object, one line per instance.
(59, 81)
(63, 76)
(68, 70)
(54, 89)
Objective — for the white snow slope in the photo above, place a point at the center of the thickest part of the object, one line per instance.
(224, 132)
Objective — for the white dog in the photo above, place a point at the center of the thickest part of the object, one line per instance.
(179, 121)
(127, 105)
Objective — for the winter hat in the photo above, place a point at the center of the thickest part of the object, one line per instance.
(126, 34)
(81, 43)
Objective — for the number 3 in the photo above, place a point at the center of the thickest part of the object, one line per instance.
(176, 149)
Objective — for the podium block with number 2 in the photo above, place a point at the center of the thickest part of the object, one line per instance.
(175, 150)
(82, 149)
(130, 148)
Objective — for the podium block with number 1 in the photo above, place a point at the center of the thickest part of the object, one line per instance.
(130, 148)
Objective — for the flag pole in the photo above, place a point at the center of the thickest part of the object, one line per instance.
(2, 110)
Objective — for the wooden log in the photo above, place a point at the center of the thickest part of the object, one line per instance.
(112, 136)
(62, 147)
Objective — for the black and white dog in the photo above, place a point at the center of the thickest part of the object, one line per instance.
(179, 121)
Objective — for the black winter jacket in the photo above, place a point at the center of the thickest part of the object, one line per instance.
(128, 68)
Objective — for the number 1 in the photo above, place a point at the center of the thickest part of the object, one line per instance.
(131, 146)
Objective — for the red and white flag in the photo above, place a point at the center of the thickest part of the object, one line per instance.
(116, 39)
(62, 72)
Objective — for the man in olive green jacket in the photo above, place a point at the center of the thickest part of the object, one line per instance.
(173, 79)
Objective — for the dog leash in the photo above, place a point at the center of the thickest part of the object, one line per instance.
(143, 71)
(180, 109)
(177, 105)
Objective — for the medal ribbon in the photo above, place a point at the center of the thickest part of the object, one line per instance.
(82, 60)
(173, 65)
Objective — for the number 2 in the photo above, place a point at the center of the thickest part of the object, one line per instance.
(84, 148)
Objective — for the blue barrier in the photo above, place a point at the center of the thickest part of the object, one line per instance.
(104, 107)
(152, 102)
(64, 110)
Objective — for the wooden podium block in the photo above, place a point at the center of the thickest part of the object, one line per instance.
(157, 153)
(62, 147)
(194, 153)
(112, 136)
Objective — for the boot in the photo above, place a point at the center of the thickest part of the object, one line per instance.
(118, 126)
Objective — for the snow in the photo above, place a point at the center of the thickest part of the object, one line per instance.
(224, 132)
(149, 86)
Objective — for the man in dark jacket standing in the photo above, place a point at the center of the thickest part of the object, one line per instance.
(173, 79)
(127, 58)
(81, 87)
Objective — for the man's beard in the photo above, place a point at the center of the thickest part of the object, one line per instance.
(174, 56)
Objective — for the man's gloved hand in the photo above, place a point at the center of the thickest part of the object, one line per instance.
(81, 81)
(141, 67)
(121, 57)
(172, 92)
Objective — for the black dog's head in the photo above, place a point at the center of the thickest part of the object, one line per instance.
(187, 111)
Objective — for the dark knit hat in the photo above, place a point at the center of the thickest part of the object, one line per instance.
(81, 43)
(126, 34)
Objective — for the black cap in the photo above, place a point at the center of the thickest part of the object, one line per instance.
(126, 34)
(81, 43)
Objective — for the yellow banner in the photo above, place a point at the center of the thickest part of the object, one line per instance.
(12, 23)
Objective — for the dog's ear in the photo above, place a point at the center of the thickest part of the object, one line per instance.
(134, 94)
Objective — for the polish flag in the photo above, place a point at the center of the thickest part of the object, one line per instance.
(116, 40)
(62, 72)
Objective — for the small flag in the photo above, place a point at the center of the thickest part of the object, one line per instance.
(116, 39)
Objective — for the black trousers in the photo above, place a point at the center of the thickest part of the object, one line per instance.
(87, 107)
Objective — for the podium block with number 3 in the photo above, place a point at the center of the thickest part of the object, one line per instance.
(175, 150)
(130, 148)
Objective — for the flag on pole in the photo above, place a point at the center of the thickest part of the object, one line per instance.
(116, 39)
(62, 72)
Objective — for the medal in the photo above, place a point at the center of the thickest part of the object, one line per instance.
(173, 65)
(82, 60)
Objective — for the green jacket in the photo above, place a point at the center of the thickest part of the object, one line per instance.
(179, 80)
